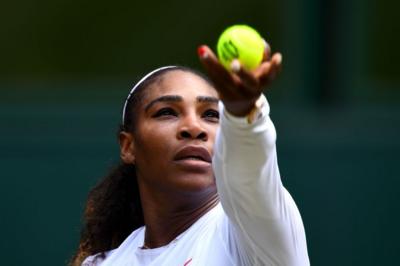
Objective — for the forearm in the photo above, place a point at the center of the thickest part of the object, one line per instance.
(245, 162)
(262, 212)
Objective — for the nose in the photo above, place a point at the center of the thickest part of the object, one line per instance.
(191, 128)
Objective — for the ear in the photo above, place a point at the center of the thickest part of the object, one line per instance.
(127, 147)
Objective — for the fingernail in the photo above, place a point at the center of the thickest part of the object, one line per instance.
(202, 51)
(279, 59)
(266, 45)
(235, 65)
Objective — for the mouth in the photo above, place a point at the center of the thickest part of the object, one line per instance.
(194, 154)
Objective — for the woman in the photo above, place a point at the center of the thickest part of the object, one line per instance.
(199, 182)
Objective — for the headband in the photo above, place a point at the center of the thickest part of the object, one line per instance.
(138, 84)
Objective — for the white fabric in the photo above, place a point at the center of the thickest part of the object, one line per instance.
(257, 221)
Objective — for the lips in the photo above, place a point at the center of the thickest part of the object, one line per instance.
(195, 153)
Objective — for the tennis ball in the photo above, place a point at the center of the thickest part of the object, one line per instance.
(241, 42)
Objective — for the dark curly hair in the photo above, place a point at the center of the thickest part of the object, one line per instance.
(113, 209)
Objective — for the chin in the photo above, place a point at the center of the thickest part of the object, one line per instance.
(195, 183)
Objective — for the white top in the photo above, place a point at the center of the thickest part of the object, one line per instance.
(257, 221)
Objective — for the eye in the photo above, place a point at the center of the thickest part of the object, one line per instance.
(165, 112)
(211, 115)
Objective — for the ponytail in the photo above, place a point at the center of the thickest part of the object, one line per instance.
(113, 210)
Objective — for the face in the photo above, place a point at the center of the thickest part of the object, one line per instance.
(175, 131)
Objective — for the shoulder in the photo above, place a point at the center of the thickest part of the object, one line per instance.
(97, 259)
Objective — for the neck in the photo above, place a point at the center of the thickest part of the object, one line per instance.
(167, 218)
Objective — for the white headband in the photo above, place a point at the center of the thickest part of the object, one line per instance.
(137, 85)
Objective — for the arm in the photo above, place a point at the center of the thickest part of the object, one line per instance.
(264, 226)
(262, 214)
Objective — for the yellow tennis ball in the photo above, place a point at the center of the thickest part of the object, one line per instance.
(241, 42)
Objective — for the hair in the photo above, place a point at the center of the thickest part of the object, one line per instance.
(113, 208)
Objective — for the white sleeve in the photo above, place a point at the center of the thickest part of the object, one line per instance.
(263, 219)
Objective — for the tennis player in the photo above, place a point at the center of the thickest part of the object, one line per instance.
(198, 182)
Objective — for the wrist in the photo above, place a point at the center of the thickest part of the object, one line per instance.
(240, 108)
(248, 113)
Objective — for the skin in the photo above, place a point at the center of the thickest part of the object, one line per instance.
(240, 89)
(176, 193)
(179, 111)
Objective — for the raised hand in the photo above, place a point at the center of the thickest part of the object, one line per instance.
(240, 88)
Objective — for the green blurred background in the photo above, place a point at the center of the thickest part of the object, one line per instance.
(66, 67)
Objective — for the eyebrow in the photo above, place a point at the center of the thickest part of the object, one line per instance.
(177, 98)
(207, 99)
(165, 98)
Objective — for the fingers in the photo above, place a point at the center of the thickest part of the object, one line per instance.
(240, 82)
(248, 79)
(268, 71)
(224, 80)
(239, 88)
(212, 64)
(219, 74)
(267, 51)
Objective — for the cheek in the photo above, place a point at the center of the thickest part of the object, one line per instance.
(154, 143)
(212, 132)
